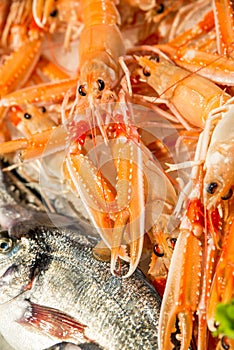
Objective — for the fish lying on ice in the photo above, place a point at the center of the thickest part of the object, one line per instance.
(53, 290)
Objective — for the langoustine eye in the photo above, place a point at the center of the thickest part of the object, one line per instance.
(171, 242)
(146, 72)
(160, 9)
(82, 90)
(158, 250)
(211, 187)
(101, 84)
(155, 58)
(27, 116)
(54, 13)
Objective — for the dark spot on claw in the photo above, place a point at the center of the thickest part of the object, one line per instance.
(174, 338)
(54, 13)
(158, 251)
(228, 195)
(27, 116)
(211, 188)
(224, 344)
(82, 90)
(160, 9)
(155, 58)
(101, 84)
(146, 72)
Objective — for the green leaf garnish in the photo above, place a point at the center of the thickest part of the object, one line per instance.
(224, 316)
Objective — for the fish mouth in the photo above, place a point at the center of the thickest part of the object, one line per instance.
(7, 276)
(5, 284)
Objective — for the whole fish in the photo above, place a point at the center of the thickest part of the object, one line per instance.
(53, 290)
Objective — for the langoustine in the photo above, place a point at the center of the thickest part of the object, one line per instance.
(215, 222)
(203, 230)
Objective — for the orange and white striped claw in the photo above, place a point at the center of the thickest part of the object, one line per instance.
(181, 296)
(127, 157)
(17, 68)
(97, 193)
(43, 94)
(15, 71)
(116, 211)
(222, 290)
(38, 145)
(224, 22)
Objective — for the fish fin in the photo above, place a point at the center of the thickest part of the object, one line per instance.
(70, 346)
(64, 346)
(53, 322)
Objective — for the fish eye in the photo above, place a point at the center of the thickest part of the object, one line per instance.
(211, 188)
(82, 90)
(43, 109)
(6, 243)
(158, 250)
(146, 72)
(101, 84)
(27, 116)
(228, 195)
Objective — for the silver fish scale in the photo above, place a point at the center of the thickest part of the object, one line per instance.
(119, 313)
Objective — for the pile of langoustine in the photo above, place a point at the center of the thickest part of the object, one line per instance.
(143, 66)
